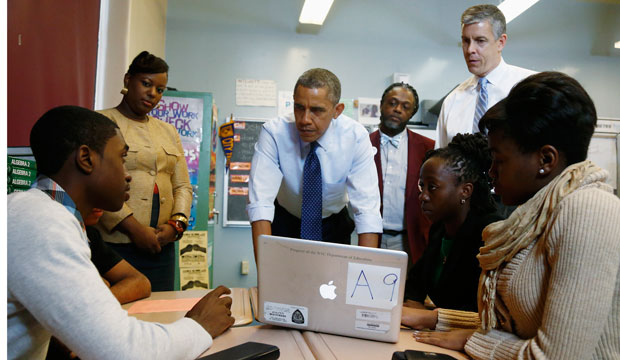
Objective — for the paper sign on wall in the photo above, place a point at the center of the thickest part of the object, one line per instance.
(372, 285)
(193, 249)
(192, 279)
(285, 103)
(369, 111)
(252, 92)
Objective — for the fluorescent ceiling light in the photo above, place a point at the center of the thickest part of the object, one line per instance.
(617, 45)
(514, 8)
(315, 11)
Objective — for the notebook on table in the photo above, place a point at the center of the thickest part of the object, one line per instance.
(332, 288)
(169, 306)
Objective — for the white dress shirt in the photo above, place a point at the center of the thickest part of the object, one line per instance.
(394, 168)
(347, 168)
(457, 110)
(394, 176)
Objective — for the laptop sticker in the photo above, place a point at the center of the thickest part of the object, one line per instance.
(372, 286)
(286, 314)
(372, 326)
(382, 316)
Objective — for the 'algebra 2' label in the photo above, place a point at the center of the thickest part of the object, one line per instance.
(286, 314)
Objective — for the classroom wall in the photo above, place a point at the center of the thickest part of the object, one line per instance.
(126, 28)
(210, 44)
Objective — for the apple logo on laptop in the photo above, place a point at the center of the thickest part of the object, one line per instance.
(328, 291)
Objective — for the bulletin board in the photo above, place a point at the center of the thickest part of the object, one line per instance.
(237, 178)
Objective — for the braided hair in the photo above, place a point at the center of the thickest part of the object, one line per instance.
(469, 158)
(416, 104)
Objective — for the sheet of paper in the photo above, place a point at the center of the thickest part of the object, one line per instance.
(194, 278)
(372, 285)
(193, 250)
(369, 111)
(252, 92)
(285, 103)
(151, 306)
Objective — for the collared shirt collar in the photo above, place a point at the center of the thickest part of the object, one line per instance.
(494, 75)
(323, 142)
(394, 140)
(58, 194)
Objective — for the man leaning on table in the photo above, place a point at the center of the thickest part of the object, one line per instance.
(483, 36)
(305, 169)
(53, 288)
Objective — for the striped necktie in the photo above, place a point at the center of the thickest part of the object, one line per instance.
(312, 197)
(481, 103)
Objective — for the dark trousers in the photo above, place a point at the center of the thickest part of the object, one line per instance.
(337, 228)
(158, 268)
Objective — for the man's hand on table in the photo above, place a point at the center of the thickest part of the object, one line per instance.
(212, 312)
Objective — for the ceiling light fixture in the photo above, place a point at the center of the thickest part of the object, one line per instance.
(315, 11)
(514, 8)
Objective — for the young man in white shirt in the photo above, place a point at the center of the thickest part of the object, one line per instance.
(53, 288)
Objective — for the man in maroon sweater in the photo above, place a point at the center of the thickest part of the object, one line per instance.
(399, 156)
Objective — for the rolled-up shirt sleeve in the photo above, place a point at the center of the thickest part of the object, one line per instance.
(265, 178)
(363, 188)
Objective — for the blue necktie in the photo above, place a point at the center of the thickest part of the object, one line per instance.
(312, 197)
(392, 140)
(481, 104)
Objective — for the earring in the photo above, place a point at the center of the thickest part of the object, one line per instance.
(124, 91)
(462, 201)
(541, 171)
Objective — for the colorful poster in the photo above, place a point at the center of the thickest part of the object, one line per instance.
(186, 115)
(213, 163)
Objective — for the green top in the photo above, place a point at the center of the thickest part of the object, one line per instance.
(444, 251)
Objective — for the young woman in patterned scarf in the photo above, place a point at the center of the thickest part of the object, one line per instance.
(550, 282)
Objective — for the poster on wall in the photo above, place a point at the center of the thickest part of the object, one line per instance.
(369, 111)
(193, 250)
(285, 103)
(251, 92)
(213, 162)
(185, 112)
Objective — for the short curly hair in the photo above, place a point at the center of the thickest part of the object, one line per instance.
(62, 130)
(321, 78)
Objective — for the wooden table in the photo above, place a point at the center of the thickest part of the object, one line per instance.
(293, 344)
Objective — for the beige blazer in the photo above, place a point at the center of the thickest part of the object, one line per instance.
(155, 156)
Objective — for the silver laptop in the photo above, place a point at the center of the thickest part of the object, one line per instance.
(333, 288)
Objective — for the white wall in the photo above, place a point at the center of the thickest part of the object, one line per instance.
(147, 28)
(212, 43)
(125, 29)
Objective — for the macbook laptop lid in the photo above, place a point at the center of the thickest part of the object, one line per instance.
(333, 288)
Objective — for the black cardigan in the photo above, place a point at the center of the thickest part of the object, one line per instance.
(457, 287)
